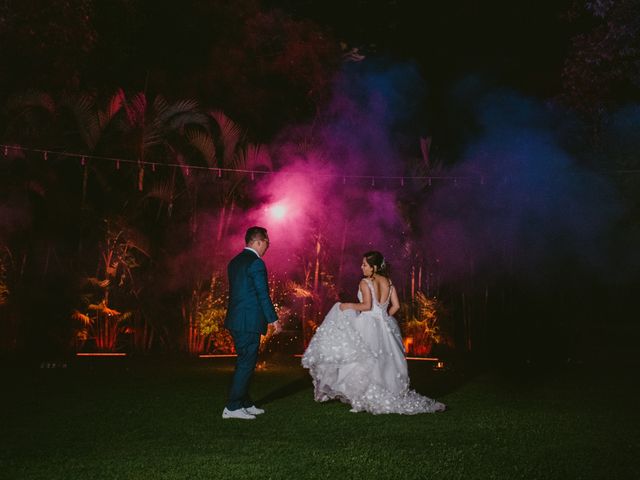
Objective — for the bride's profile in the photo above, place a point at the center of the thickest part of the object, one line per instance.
(357, 356)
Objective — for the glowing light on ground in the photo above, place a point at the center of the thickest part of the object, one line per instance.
(105, 354)
(217, 355)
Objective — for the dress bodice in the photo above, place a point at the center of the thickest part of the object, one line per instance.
(375, 303)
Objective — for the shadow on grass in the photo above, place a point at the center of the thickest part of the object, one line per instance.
(286, 390)
(424, 380)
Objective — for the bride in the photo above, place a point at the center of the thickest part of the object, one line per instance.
(357, 355)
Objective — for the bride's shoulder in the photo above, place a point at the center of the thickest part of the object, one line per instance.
(383, 281)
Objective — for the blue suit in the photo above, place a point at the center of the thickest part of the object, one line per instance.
(249, 311)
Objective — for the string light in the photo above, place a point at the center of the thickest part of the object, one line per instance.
(429, 178)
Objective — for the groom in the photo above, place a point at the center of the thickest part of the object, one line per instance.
(249, 311)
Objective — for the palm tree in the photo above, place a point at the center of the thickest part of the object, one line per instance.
(92, 130)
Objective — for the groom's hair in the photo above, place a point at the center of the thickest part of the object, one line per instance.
(255, 233)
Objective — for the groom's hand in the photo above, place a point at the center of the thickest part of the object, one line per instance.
(278, 326)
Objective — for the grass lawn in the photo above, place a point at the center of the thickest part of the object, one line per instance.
(160, 418)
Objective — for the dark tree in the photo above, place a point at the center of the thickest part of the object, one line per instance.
(44, 43)
(602, 69)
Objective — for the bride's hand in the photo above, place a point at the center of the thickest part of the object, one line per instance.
(344, 306)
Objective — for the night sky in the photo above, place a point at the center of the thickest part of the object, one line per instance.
(512, 44)
(462, 50)
(205, 51)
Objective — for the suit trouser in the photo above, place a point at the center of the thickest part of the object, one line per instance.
(247, 344)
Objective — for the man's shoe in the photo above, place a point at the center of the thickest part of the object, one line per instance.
(253, 410)
(241, 413)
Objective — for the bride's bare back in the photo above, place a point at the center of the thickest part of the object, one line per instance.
(383, 289)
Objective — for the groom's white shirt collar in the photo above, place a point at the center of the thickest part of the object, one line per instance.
(249, 248)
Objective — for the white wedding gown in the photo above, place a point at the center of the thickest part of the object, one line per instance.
(359, 359)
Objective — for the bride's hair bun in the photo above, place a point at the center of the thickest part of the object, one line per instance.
(377, 261)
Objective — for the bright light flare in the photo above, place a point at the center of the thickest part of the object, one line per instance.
(277, 211)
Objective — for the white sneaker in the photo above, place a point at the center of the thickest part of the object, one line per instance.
(253, 410)
(240, 413)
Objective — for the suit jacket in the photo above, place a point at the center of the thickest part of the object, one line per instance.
(250, 307)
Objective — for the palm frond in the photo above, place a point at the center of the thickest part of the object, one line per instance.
(162, 191)
(230, 134)
(182, 113)
(203, 142)
(83, 111)
(32, 100)
(81, 317)
(97, 282)
(136, 109)
(160, 106)
(256, 157)
(116, 102)
(152, 137)
(103, 308)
